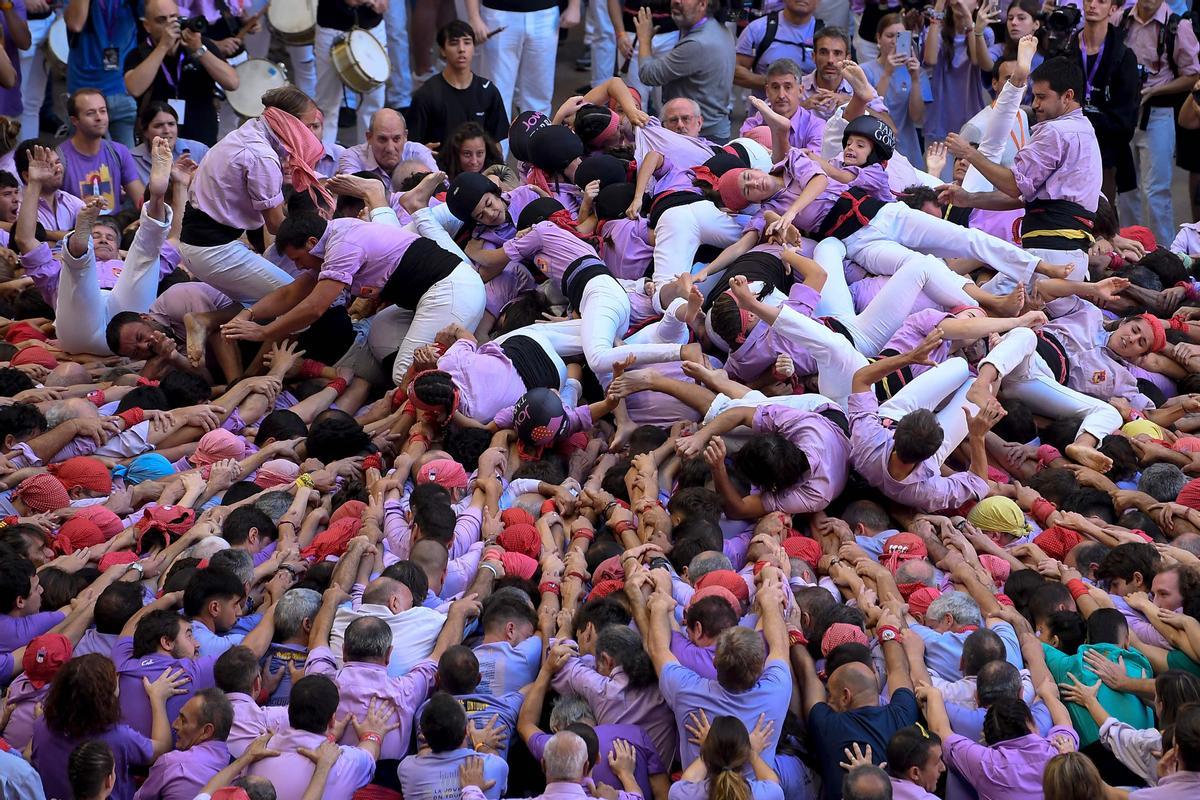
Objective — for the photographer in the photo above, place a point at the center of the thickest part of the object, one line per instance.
(1166, 50)
(179, 66)
(1110, 96)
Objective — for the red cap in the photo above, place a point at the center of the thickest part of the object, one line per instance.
(920, 600)
(803, 548)
(840, 633)
(1157, 331)
(43, 657)
(1057, 541)
(727, 579)
(716, 591)
(511, 516)
(521, 537)
(519, 564)
(731, 193)
(34, 355)
(351, 509)
(1141, 235)
(230, 793)
(118, 557)
(606, 587)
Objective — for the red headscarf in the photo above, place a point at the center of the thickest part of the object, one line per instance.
(42, 493)
(77, 534)
(333, 540)
(727, 579)
(1157, 331)
(85, 471)
(22, 332)
(304, 149)
(34, 355)
(521, 538)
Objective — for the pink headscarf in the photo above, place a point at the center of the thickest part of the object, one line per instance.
(217, 445)
(276, 472)
(304, 149)
(444, 472)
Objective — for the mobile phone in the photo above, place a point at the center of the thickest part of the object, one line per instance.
(904, 44)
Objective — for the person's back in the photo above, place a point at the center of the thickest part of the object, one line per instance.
(433, 774)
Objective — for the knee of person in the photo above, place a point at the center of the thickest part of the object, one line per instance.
(1022, 337)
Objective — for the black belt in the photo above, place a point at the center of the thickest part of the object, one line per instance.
(577, 276)
(757, 265)
(1057, 225)
(200, 230)
(1055, 356)
(667, 200)
(423, 264)
(529, 359)
(836, 326)
(887, 386)
(852, 211)
(836, 416)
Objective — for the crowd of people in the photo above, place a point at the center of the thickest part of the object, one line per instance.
(627, 449)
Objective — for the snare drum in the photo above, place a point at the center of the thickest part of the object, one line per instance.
(58, 48)
(294, 20)
(255, 77)
(360, 60)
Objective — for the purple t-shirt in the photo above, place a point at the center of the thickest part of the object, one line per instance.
(135, 706)
(51, 750)
(102, 174)
(11, 104)
(648, 762)
(16, 632)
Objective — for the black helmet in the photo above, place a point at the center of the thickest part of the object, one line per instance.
(877, 132)
(522, 129)
(539, 417)
(537, 211)
(465, 192)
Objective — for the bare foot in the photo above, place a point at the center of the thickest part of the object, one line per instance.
(1088, 456)
(420, 194)
(197, 337)
(1005, 305)
(981, 392)
(688, 314)
(160, 167)
(1060, 271)
(702, 373)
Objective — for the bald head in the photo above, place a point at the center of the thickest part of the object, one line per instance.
(565, 758)
(390, 593)
(387, 136)
(682, 115)
(853, 685)
(68, 373)
(158, 16)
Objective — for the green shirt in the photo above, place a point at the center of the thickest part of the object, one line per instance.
(1126, 707)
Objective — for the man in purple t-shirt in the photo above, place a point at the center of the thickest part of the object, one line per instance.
(94, 166)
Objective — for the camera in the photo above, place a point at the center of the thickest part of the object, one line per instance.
(1060, 26)
(197, 23)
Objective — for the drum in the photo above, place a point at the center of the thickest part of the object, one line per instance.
(57, 46)
(255, 77)
(360, 60)
(294, 20)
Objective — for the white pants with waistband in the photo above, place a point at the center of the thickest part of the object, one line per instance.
(886, 312)
(681, 230)
(235, 269)
(520, 59)
(83, 309)
(330, 88)
(1025, 376)
(34, 73)
(898, 234)
(943, 390)
(458, 297)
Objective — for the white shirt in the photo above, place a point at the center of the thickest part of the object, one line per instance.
(414, 633)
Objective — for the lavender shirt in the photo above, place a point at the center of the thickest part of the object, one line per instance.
(691, 790)
(485, 378)
(16, 632)
(957, 88)
(924, 488)
(359, 683)
(103, 174)
(828, 451)
(696, 658)
(24, 697)
(250, 720)
(241, 177)
(1078, 326)
(135, 706)
(627, 250)
(361, 254)
(679, 148)
(807, 129)
(1060, 162)
(51, 751)
(434, 776)
(765, 342)
(808, 87)
(360, 158)
(291, 772)
(558, 248)
(181, 774)
(62, 216)
(1009, 770)
(1144, 39)
(504, 668)
(798, 170)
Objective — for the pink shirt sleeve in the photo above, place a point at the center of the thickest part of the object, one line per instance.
(264, 183)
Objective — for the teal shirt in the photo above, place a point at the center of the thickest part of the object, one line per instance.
(1126, 707)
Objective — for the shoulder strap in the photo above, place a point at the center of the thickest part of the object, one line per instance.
(768, 37)
(1170, 32)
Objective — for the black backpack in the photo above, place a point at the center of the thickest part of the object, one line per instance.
(1167, 35)
(771, 33)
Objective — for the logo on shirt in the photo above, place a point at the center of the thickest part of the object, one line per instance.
(1099, 376)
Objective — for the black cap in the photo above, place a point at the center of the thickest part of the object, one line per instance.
(613, 200)
(722, 161)
(552, 149)
(537, 211)
(467, 189)
(523, 127)
(601, 167)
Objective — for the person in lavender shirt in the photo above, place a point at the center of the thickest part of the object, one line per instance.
(433, 773)
(237, 674)
(94, 166)
(21, 615)
(386, 146)
(726, 749)
(957, 85)
(782, 89)
(458, 674)
(56, 208)
(1184, 781)
(200, 731)
(83, 705)
(564, 762)
(511, 652)
(914, 763)
(311, 709)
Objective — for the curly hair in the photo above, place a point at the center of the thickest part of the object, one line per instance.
(83, 701)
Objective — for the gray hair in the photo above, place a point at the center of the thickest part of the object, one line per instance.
(293, 608)
(58, 413)
(239, 562)
(1162, 482)
(569, 709)
(706, 562)
(917, 570)
(367, 639)
(784, 66)
(565, 758)
(692, 104)
(274, 504)
(867, 782)
(958, 605)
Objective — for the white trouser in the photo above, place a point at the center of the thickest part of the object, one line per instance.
(809, 401)
(1006, 280)
(1025, 376)
(668, 330)
(304, 69)
(661, 44)
(836, 358)
(682, 229)
(240, 273)
(943, 390)
(83, 310)
(520, 59)
(330, 88)
(34, 71)
(458, 297)
(898, 234)
(995, 135)
(887, 311)
(398, 89)
(603, 42)
(604, 318)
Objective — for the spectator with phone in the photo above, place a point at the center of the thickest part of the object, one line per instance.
(896, 76)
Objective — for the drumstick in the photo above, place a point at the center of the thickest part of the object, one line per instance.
(493, 33)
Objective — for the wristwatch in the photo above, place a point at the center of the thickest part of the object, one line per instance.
(200, 52)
